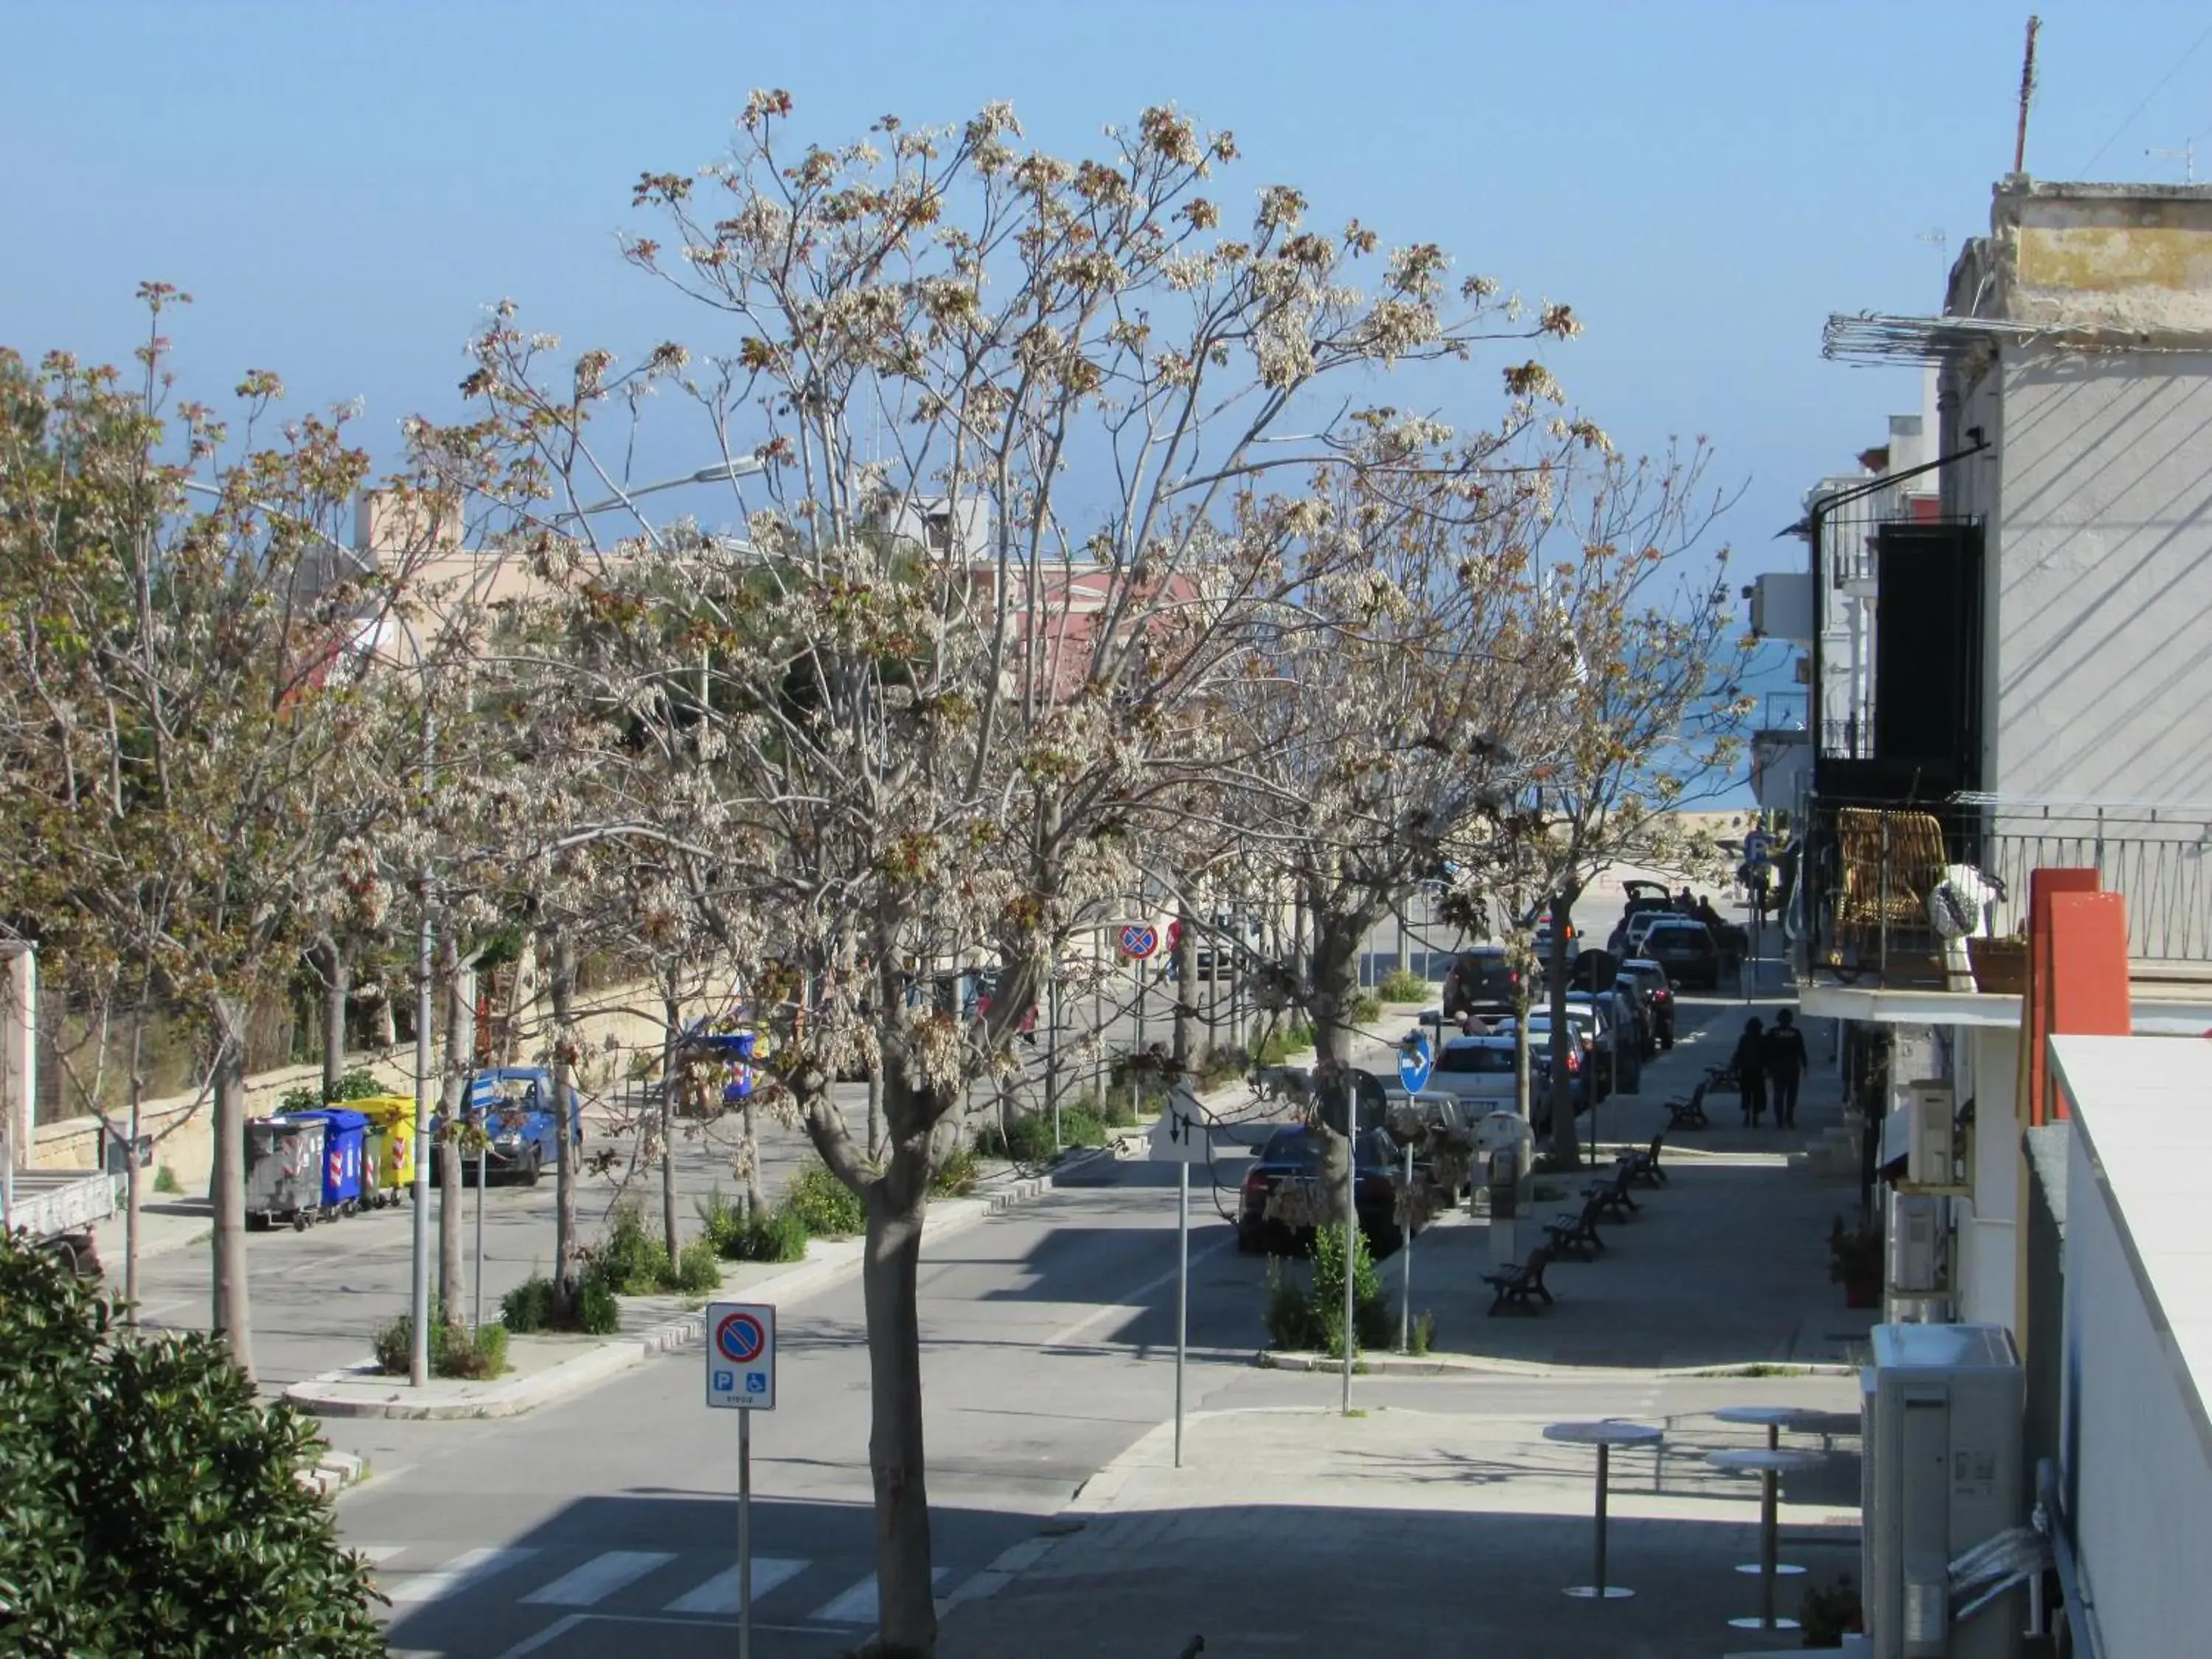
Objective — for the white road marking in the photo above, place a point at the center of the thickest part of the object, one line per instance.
(1134, 1302)
(464, 1571)
(598, 1579)
(720, 1593)
(857, 1606)
(378, 1554)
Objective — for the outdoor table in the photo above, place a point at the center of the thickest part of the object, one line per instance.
(1767, 1463)
(1773, 1419)
(1605, 1436)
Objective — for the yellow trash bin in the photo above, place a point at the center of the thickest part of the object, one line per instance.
(391, 1136)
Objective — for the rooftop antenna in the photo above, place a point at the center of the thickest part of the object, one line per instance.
(2187, 155)
(1938, 239)
(2026, 94)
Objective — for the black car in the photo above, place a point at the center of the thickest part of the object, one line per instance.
(1649, 980)
(1481, 980)
(1294, 1154)
(1686, 950)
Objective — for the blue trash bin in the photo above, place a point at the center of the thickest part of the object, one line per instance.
(345, 1139)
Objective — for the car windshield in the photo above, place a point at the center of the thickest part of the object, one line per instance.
(1298, 1145)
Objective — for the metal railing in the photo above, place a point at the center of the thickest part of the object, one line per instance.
(1870, 871)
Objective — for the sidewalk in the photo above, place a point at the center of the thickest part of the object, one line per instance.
(1407, 1533)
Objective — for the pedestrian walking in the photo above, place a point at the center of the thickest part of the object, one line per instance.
(1750, 1063)
(1787, 1062)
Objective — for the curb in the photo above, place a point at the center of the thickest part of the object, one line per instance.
(332, 1473)
(1455, 1364)
(825, 1263)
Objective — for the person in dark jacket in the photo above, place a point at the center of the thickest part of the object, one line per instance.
(1750, 1063)
(1787, 1062)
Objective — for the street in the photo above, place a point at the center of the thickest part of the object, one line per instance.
(606, 1521)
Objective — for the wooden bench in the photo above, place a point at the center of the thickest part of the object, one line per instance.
(1577, 1233)
(1690, 1113)
(1611, 1195)
(1518, 1285)
(1642, 1163)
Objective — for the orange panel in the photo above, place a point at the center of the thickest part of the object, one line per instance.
(2035, 1005)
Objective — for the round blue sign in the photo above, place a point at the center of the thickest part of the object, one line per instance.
(738, 1337)
(1416, 1062)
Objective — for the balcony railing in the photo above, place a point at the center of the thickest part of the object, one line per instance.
(1871, 872)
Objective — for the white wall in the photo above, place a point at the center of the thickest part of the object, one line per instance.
(1988, 1260)
(2099, 658)
(2136, 1473)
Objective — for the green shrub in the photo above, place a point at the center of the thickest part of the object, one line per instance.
(1402, 985)
(779, 1236)
(1370, 1314)
(596, 1312)
(1424, 1335)
(720, 1220)
(452, 1353)
(955, 1177)
(700, 1267)
(825, 1206)
(1026, 1137)
(1288, 1312)
(1366, 1008)
(528, 1307)
(1219, 1066)
(359, 1083)
(629, 1261)
(1279, 1044)
(165, 1180)
(151, 1501)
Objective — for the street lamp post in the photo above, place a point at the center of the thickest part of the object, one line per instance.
(743, 466)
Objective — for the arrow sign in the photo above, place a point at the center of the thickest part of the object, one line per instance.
(1139, 939)
(1179, 1136)
(1416, 1061)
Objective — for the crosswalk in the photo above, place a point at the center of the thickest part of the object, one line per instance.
(679, 1584)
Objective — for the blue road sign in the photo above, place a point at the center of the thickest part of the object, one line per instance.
(1416, 1061)
(741, 1356)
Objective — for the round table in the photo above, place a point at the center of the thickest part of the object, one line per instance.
(1767, 1463)
(1773, 1419)
(1605, 1436)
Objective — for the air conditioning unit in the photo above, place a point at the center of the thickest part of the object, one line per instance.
(1931, 1152)
(1917, 1237)
(1940, 1407)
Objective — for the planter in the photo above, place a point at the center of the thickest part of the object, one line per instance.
(1862, 1293)
(2000, 965)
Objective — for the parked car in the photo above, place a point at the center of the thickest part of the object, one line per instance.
(1617, 1009)
(1686, 950)
(1581, 1064)
(515, 1103)
(1649, 979)
(1480, 1068)
(1295, 1154)
(1481, 980)
(1543, 939)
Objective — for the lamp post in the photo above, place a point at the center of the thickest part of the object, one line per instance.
(743, 466)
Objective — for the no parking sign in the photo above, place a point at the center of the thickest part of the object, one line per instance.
(741, 1356)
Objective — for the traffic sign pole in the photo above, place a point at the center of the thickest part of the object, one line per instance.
(1182, 1292)
(745, 1536)
(1405, 1245)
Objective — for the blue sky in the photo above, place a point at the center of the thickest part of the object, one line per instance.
(343, 187)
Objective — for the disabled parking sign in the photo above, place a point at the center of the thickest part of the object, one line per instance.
(741, 1356)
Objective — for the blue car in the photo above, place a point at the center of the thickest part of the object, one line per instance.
(513, 1102)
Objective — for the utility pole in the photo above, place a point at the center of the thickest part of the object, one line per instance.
(2187, 155)
(2026, 94)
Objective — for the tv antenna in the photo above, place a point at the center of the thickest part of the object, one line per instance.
(2186, 154)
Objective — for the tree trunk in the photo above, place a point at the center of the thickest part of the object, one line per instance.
(338, 985)
(876, 1134)
(1565, 1144)
(562, 958)
(906, 1597)
(1334, 988)
(1185, 970)
(671, 1015)
(453, 1292)
(233, 1317)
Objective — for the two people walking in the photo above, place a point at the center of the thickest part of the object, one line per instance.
(1771, 1057)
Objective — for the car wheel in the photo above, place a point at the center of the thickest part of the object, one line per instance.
(1250, 1240)
(537, 1166)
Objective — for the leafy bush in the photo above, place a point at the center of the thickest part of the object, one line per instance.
(528, 1307)
(955, 1177)
(151, 1502)
(1303, 1320)
(165, 1180)
(629, 1261)
(1288, 1312)
(779, 1236)
(1402, 985)
(1366, 1008)
(452, 1353)
(1422, 1336)
(700, 1267)
(359, 1083)
(825, 1206)
(1223, 1065)
(596, 1312)
(1279, 1044)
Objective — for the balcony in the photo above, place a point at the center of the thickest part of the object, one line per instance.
(1871, 871)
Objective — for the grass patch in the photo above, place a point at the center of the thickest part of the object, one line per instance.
(1423, 1337)
(1278, 1045)
(1366, 1008)
(776, 1236)
(1303, 1319)
(825, 1206)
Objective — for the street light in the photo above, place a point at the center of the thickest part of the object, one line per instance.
(743, 466)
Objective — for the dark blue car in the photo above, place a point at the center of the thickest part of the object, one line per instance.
(515, 1104)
